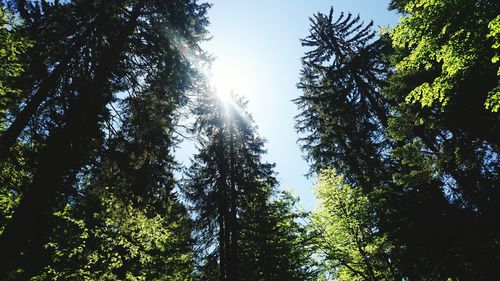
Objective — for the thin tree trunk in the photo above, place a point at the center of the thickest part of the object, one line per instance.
(12, 133)
(233, 268)
(224, 227)
(222, 248)
(47, 86)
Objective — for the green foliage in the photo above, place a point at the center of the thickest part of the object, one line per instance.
(403, 130)
(342, 114)
(242, 223)
(415, 143)
(113, 240)
(12, 48)
(225, 175)
(14, 176)
(89, 195)
(493, 100)
(349, 240)
(276, 243)
(457, 41)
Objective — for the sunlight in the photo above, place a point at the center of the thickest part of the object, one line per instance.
(230, 81)
(227, 78)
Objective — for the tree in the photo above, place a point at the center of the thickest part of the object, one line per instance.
(108, 47)
(350, 241)
(125, 220)
(342, 114)
(447, 134)
(224, 175)
(276, 241)
(429, 171)
(459, 43)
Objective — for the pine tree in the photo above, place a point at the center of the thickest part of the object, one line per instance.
(342, 115)
(276, 242)
(225, 174)
(427, 166)
(91, 50)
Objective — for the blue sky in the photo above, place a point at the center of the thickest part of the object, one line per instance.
(257, 49)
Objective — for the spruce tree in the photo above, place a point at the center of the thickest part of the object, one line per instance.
(276, 242)
(85, 52)
(426, 154)
(341, 113)
(245, 229)
(225, 174)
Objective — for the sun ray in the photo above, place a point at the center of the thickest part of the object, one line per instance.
(227, 78)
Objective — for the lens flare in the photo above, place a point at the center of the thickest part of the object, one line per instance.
(226, 78)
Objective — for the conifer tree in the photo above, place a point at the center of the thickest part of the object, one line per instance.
(84, 53)
(342, 115)
(125, 221)
(245, 229)
(429, 170)
(276, 241)
(225, 174)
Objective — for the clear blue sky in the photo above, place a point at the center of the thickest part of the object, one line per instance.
(256, 44)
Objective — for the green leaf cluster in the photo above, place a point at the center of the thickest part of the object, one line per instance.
(117, 241)
(349, 240)
(12, 49)
(408, 119)
(455, 38)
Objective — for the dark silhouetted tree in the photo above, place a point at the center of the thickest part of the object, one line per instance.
(225, 174)
(342, 115)
(413, 129)
(84, 53)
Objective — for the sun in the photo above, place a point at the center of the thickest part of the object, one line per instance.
(227, 77)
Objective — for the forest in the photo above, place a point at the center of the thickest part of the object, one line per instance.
(400, 128)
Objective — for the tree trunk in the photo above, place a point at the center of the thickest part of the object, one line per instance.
(26, 232)
(222, 248)
(47, 86)
(233, 269)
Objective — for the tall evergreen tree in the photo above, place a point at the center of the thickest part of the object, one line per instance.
(245, 229)
(225, 174)
(276, 241)
(342, 114)
(125, 221)
(88, 51)
(430, 170)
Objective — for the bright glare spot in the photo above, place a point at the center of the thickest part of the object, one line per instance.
(227, 77)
